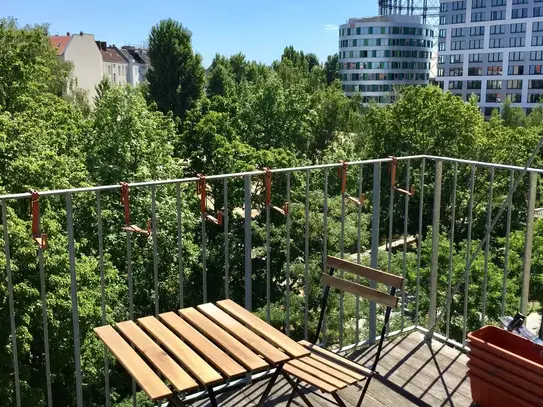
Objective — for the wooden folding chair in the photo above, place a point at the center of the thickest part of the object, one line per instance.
(328, 371)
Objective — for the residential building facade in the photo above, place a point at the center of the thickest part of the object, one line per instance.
(114, 63)
(138, 64)
(378, 53)
(493, 49)
(80, 49)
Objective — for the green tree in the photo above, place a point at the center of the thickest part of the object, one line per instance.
(331, 67)
(176, 76)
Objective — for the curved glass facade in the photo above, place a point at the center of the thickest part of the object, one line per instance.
(377, 53)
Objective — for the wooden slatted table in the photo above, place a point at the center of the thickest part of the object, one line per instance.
(202, 351)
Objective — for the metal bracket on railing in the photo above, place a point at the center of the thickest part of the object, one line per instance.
(202, 191)
(39, 238)
(267, 186)
(125, 201)
(392, 169)
(342, 174)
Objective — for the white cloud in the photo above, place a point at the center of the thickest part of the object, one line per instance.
(330, 27)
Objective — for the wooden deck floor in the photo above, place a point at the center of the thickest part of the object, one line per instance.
(433, 376)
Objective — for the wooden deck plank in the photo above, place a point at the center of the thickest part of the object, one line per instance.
(180, 379)
(248, 337)
(322, 375)
(231, 345)
(133, 363)
(189, 359)
(273, 335)
(325, 353)
(209, 351)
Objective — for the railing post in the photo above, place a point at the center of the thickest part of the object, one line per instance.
(375, 243)
(528, 244)
(435, 243)
(248, 244)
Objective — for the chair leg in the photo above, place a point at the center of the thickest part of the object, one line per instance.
(298, 391)
(212, 398)
(268, 388)
(340, 402)
(366, 385)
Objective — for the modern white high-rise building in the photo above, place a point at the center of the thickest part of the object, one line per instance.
(494, 49)
(378, 53)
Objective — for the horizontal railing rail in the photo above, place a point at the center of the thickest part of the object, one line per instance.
(235, 238)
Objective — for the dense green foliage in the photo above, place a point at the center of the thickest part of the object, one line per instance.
(237, 116)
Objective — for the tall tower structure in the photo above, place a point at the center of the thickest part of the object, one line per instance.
(428, 10)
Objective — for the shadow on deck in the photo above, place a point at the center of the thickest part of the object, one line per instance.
(425, 376)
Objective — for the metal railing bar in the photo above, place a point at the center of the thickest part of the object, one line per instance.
(14, 347)
(287, 254)
(376, 209)
(451, 249)
(404, 254)
(507, 233)
(325, 236)
(468, 253)
(248, 244)
(75, 309)
(487, 246)
(341, 255)
(102, 290)
(358, 249)
(306, 257)
(179, 243)
(226, 242)
(419, 248)
(155, 249)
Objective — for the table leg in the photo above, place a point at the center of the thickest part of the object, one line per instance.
(212, 398)
(268, 388)
(340, 402)
(297, 390)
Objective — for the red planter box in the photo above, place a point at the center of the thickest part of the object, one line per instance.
(505, 369)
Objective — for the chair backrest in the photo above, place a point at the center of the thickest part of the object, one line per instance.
(391, 280)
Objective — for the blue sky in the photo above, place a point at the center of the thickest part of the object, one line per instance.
(258, 28)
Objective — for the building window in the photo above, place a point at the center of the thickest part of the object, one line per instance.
(474, 84)
(514, 97)
(518, 28)
(535, 84)
(493, 84)
(497, 29)
(475, 44)
(535, 69)
(537, 11)
(457, 45)
(458, 19)
(442, 33)
(495, 57)
(537, 41)
(536, 55)
(496, 43)
(456, 72)
(441, 59)
(535, 97)
(458, 5)
(520, 1)
(478, 3)
(442, 19)
(480, 16)
(519, 13)
(514, 84)
(497, 15)
(516, 56)
(348, 31)
(475, 71)
(493, 98)
(456, 85)
(457, 32)
(440, 72)
(517, 41)
(475, 31)
(537, 26)
(441, 46)
(515, 70)
(494, 70)
(443, 7)
(456, 58)
(498, 3)
(475, 58)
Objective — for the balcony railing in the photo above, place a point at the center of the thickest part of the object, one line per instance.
(262, 239)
